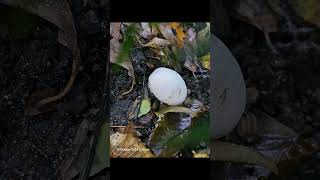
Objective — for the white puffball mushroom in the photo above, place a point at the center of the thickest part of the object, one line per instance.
(167, 86)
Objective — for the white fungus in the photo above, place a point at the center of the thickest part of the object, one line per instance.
(167, 86)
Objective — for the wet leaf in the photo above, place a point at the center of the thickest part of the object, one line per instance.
(309, 10)
(205, 61)
(126, 145)
(221, 151)
(119, 53)
(191, 137)
(57, 12)
(165, 139)
(101, 158)
(167, 127)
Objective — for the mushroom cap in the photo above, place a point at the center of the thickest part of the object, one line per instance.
(167, 86)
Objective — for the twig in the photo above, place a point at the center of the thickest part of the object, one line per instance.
(76, 60)
(269, 43)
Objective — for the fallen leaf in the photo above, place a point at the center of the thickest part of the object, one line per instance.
(172, 32)
(200, 154)
(145, 106)
(157, 43)
(191, 137)
(147, 31)
(260, 15)
(205, 61)
(203, 41)
(57, 12)
(134, 109)
(191, 35)
(221, 151)
(126, 145)
(168, 109)
(167, 127)
(297, 152)
(173, 120)
(119, 53)
(179, 32)
(101, 159)
(309, 10)
(188, 63)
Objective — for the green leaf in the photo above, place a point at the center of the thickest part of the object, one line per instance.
(191, 137)
(101, 158)
(128, 43)
(167, 127)
(145, 107)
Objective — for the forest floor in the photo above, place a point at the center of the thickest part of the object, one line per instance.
(33, 147)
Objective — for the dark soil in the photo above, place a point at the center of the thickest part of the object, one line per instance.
(33, 147)
(285, 86)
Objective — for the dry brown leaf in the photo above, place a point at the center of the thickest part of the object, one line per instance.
(115, 45)
(57, 12)
(189, 64)
(259, 14)
(147, 31)
(127, 145)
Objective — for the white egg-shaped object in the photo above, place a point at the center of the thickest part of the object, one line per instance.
(167, 86)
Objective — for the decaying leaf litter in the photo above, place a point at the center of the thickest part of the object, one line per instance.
(157, 129)
(50, 109)
(274, 124)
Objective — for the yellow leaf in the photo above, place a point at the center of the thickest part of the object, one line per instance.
(178, 32)
(172, 32)
(205, 61)
(200, 154)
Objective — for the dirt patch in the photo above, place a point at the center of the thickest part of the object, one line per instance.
(32, 59)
